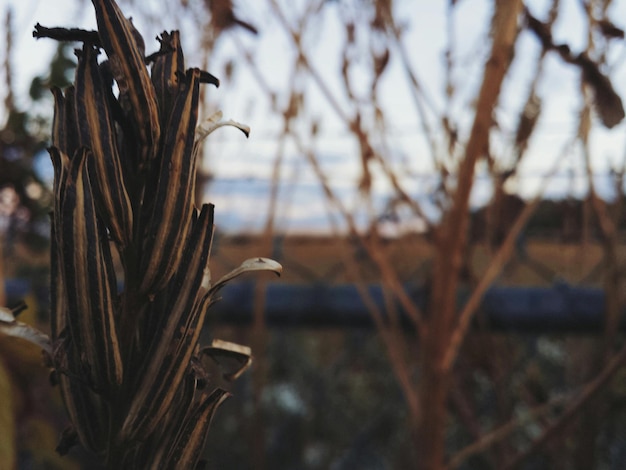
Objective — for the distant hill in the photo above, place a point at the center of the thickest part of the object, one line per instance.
(564, 220)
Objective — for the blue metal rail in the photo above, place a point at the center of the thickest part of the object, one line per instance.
(558, 309)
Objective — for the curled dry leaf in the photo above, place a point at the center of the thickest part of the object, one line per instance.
(249, 265)
(215, 122)
(234, 359)
(17, 329)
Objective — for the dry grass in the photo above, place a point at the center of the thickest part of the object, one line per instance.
(320, 258)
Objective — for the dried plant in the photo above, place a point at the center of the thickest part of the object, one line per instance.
(125, 349)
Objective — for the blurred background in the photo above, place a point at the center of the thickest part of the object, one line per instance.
(402, 153)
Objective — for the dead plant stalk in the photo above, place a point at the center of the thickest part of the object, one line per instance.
(132, 375)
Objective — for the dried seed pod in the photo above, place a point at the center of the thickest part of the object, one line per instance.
(119, 39)
(64, 129)
(89, 277)
(172, 203)
(96, 131)
(192, 436)
(116, 174)
(167, 434)
(171, 351)
(60, 164)
(59, 121)
(167, 69)
(86, 409)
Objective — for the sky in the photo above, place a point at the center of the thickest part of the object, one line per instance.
(242, 167)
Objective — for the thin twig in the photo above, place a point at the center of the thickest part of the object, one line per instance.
(499, 434)
(495, 266)
(588, 392)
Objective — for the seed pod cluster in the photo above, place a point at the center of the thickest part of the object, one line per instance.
(125, 346)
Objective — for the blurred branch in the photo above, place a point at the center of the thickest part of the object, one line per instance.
(607, 102)
(388, 273)
(496, 264)
(391, 337)
(417, 90)
(9, 100)
(609, 239)
(501, 433)
(495, 69)
(389, 334)
(451, 238)
(354, 124)
(381, 260)
(587, 394)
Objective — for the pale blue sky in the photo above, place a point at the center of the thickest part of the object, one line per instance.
(236, 160)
